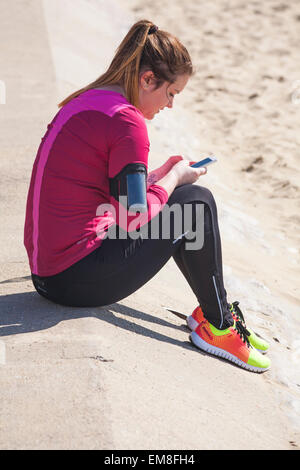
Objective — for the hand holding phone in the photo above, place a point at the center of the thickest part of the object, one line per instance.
(206, 161)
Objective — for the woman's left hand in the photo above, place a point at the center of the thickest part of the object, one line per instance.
(160, 172)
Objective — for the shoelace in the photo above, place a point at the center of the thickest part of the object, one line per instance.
(237, 311)
(243, 332)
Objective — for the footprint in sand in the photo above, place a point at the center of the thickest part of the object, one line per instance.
(254, 164)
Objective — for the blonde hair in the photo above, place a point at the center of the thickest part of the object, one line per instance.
(145, 47)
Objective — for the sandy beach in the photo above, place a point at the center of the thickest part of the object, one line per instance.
(126, 376)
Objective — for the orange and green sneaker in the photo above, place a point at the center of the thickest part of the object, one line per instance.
(232, 344)
(256, 341)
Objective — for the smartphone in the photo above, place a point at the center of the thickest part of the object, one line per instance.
(136, 192)
(206, 161)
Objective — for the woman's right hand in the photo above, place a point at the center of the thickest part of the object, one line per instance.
(186, 174)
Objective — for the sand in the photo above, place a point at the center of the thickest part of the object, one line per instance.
(126, 376)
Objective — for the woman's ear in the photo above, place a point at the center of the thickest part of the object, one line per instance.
(146, 79)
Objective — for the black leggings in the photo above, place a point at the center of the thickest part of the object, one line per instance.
(121, 266)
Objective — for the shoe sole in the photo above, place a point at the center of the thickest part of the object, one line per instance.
(192, 324)
(204, 346)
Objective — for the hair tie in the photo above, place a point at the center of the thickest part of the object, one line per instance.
(153, 29)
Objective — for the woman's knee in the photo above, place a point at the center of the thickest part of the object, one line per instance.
(191, 193)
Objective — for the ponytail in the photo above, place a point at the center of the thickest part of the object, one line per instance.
(145, 47)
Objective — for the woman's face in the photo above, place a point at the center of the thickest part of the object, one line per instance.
(151, 100)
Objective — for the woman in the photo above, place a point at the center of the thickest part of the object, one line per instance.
(79, 238)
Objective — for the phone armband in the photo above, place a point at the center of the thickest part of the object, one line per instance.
(129, 187)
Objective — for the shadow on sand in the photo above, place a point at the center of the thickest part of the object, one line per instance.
(28, 312)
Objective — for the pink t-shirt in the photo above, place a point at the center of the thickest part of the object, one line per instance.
(89, 140)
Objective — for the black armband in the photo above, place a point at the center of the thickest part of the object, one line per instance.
(129, 187)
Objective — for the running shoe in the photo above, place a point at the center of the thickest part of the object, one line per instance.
(256, 341)
(232, 344)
